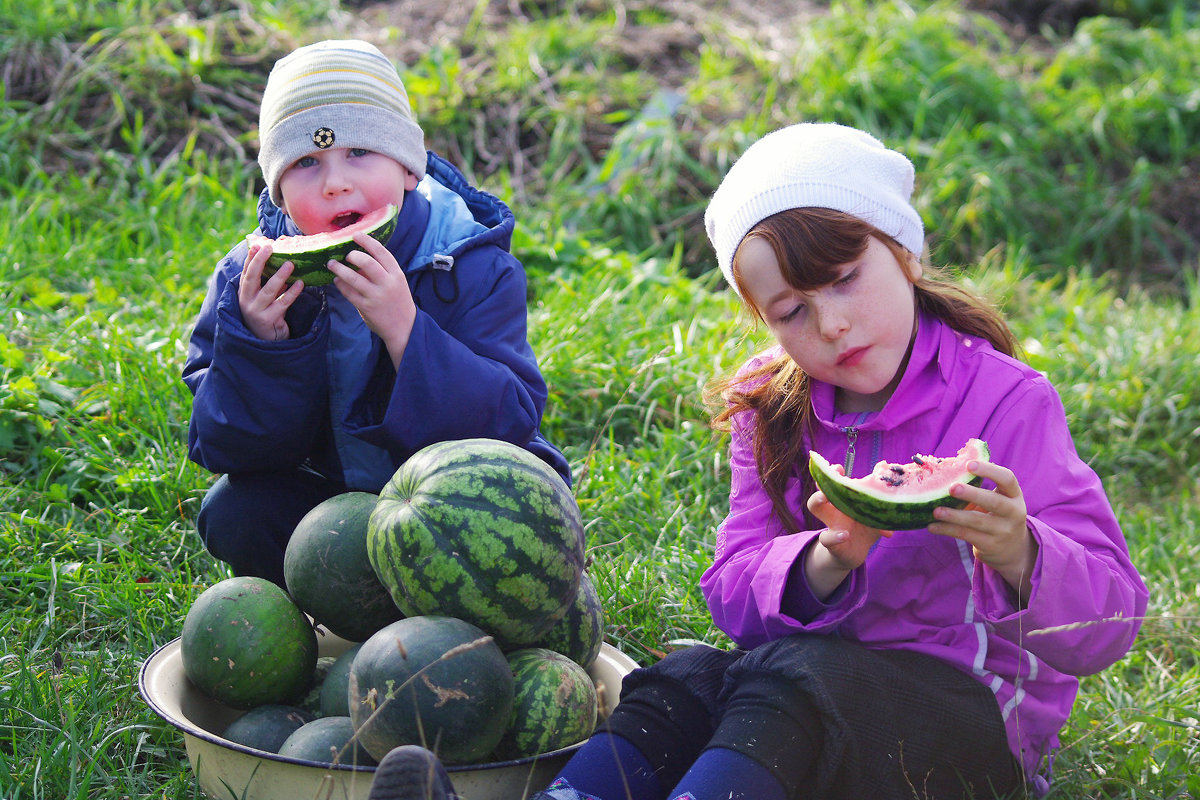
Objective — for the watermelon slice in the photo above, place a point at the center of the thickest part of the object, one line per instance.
(898, 497)
(310, 254)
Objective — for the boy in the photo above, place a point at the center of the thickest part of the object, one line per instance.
(304, 393)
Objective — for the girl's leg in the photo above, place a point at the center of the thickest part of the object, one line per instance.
(665, 718)
(246, 519)
(892, 724)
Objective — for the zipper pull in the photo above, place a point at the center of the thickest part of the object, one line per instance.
(851, 438)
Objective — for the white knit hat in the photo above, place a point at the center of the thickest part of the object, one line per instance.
(814, 165)
(342, 93)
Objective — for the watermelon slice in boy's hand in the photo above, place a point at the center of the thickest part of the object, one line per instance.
(899, 496)
(311, 254)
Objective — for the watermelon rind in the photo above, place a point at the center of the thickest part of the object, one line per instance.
(891, 512)
(310, 254)
(481, 530)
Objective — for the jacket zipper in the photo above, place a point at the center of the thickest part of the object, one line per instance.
(851, 437)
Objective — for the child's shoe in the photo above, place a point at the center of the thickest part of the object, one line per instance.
(561, 790)
(411, 772)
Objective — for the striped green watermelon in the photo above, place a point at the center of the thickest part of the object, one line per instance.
(311, 254)
(481, 530)
(554, 704)
(245, 643)
(580, 633)
(434, 681)
(899, 496)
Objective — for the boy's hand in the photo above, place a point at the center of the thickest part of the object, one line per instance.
(377, 287)
(264, 305)
(840, 548)
(995, 524)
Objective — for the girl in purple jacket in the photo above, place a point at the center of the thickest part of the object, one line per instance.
(934, 663)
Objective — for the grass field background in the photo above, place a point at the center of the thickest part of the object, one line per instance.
(1058, 164)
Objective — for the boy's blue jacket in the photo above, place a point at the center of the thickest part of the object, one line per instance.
(328, 397)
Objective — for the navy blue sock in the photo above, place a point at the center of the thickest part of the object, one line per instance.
(610, 767)
(721, 774)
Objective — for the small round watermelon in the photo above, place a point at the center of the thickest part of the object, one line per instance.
(328, 573)
(481, 530)
(554, 704)
(439, 682)
(246, 644)
(327, 740)
(267, 727)
(580, 633)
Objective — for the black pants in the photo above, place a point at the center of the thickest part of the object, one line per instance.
(246, 519)
(885, 724)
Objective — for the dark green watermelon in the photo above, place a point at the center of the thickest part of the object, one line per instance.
(335, 698)
(481, 530)
(554, 704)
(246, 644)
(267, 727)
(328, 572)
(328, 740)
(580, 633)
(434, 681)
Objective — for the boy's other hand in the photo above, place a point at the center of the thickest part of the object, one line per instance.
(264, 305)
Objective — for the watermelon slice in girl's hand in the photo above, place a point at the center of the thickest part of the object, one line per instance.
(899, 497)
(310, 254)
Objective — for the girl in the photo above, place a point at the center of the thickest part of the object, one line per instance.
(934, 663)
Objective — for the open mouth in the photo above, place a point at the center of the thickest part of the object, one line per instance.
(345, 220)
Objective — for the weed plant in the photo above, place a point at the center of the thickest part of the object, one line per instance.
(1057, 174)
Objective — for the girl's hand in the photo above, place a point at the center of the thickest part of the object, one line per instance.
(264, 305)
(377, 287)
(840, 548)
(995, 524)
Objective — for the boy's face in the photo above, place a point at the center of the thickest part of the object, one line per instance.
(329, 189)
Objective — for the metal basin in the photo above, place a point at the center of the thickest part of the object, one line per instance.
(229, 771)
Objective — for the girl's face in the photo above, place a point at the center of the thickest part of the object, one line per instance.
(853, 333)
(330, 189)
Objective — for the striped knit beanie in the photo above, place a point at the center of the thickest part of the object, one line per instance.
(335, 94)
(814, 165)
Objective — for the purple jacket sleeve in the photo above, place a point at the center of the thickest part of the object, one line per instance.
(1087, 598)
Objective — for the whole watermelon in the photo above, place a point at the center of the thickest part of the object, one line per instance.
(328, 573)
(267, 727)
(481, 530)
(580, 633)
(554, 704)
(434, 681)
(327, 740)
(245, 643)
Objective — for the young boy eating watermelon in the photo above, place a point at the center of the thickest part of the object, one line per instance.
(302, 392)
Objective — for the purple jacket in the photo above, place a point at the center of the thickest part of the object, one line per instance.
(926, 593)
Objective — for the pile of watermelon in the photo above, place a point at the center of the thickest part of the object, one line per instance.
(463, 588)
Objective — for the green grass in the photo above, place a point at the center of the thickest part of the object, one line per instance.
(1058, 172)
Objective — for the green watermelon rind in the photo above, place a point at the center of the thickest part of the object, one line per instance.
(309, 261)
(481, 530)
(881, 512)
